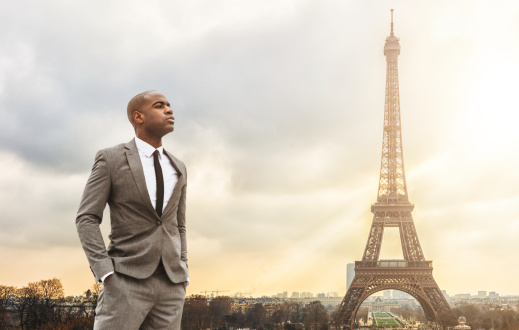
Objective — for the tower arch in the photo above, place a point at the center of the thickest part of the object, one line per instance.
(427, 308)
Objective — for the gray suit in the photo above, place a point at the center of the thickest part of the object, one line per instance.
(139, 238)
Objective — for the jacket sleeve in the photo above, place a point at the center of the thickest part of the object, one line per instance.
(181, 218)
(90, 216)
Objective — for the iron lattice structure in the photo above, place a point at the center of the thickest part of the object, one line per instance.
(413, 274)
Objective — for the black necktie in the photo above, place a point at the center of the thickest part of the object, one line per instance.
(160, 183)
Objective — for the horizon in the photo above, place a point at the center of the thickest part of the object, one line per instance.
(210, 293)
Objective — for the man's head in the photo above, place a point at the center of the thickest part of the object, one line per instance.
(135, 104)
(151, 115)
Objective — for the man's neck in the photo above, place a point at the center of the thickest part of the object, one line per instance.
(154, 142)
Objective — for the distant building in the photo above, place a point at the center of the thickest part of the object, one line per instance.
(482, 294)
(493, 295)
(281, 295)
(295, 294)
(306, 295)
(380, 306)
(321, 295)
(350, 274)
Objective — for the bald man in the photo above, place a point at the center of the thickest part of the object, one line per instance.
(144, 269)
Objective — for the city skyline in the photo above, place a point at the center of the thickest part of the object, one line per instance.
(279, 111)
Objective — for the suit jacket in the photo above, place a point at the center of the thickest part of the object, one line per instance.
(139, 238)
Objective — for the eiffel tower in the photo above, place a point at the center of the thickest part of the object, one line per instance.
(413, 274)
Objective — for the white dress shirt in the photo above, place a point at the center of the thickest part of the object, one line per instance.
(168, 171)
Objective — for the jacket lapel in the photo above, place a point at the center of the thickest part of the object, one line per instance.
(134, 161)
(181, 180)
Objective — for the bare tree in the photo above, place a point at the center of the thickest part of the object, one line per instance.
(37, 302)
(196, 313)
(7, 296)
(236, 319)
(25, 308)
(315, 316)
(278, 314)
(287, 312)
(256, 316)
(296, 312)
(219, 307)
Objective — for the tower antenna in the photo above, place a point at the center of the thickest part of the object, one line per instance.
(392, 21)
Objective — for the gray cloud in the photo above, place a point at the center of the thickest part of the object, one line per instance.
(72, 69)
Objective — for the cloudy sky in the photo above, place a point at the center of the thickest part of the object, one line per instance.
(279, 108)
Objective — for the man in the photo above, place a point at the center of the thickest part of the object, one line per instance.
(144, 269)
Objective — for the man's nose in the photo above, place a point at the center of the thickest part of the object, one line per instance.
(169, 110)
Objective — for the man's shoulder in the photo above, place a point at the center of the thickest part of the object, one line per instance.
(117, 149)
(176, 160)
(115, 154)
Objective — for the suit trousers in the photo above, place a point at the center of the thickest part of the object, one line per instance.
(130, 303)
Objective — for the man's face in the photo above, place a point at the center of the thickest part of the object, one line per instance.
(158, 117)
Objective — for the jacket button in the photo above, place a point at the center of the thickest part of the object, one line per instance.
(159, 223)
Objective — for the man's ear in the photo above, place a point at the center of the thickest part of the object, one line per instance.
(138, 117)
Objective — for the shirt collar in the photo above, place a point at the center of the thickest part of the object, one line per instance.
(146, 148)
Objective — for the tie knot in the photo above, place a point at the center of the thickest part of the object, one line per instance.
(156, 154)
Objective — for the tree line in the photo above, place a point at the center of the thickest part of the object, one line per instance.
(485, 316)
(219, 313)
(479, 316)
(199, 313)
(43, 305)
